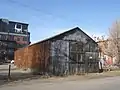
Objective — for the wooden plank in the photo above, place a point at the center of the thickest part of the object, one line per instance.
(35, 56)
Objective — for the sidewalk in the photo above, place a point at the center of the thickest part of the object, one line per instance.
(5, 67)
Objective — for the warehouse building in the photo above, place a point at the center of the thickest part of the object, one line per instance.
(71, 52)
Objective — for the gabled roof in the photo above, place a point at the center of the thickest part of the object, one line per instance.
(62, 34)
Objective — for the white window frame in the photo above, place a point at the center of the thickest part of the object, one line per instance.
(18, 29)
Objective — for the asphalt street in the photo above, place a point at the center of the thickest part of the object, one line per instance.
(111, 83)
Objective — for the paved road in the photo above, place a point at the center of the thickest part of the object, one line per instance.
(4, 69)
(14, 72)
(5, 66)
(112, 83)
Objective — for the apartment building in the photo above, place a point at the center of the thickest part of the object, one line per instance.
(13, 35)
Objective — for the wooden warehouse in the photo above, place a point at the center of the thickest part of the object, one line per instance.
(71, 52)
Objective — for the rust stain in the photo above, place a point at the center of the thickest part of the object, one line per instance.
(34, 56)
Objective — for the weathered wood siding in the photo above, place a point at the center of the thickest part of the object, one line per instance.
(60, 54)
(66, 53)
(20, 58)
(34, 56)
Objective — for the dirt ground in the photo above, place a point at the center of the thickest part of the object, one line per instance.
(18, 76)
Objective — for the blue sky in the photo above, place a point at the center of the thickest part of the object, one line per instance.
(49, 17)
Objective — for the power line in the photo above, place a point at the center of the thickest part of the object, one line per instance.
(33, 8)
(26, 6)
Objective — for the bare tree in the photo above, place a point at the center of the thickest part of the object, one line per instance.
(114, 43)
